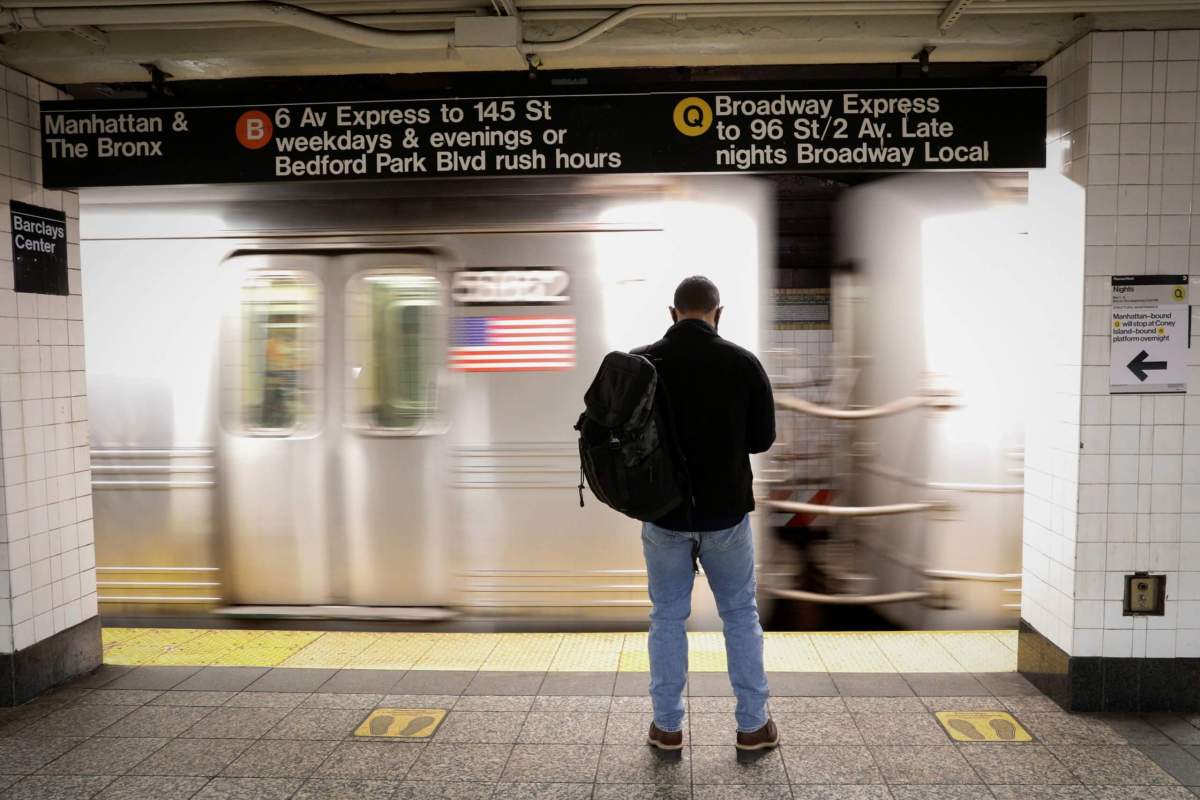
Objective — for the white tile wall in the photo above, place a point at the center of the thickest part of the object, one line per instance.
(1122, 110)
(47, 558)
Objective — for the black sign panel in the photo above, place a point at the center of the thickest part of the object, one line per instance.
(895, 127)
(39, 242)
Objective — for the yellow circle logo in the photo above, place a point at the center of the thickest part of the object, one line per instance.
(693, 116)
(1180, 292)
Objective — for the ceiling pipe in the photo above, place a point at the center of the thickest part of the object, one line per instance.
(274, 13)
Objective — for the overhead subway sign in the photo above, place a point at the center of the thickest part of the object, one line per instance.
(872, 127)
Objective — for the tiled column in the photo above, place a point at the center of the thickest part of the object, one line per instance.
(49, 628)
(1123, 113)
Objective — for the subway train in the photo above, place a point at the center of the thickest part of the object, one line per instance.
(355, 401)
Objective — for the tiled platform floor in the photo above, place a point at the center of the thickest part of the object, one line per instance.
(895, 651)
(257, 733)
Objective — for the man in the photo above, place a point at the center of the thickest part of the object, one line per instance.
(721, 404)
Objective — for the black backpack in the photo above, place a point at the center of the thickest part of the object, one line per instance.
(627, 444)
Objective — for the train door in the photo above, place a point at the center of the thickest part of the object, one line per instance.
(329, 444)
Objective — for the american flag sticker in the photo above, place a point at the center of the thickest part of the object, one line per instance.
(513, 344)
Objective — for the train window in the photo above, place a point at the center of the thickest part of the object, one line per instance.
(279, 353)
(392, 325)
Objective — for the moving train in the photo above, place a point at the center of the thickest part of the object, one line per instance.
(355, 401)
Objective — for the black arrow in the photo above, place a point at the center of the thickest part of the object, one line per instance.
(1139, 365)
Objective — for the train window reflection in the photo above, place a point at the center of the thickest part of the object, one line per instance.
(392, 324)
(280, 315)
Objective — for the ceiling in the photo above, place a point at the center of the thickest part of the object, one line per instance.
(69, 42)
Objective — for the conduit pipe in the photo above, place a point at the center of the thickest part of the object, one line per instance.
(851, 511)
(885, 410)
(26, 18)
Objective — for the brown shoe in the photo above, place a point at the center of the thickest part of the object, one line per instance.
(664, 740)
(764, 738)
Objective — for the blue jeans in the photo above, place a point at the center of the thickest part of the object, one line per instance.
(728, 560)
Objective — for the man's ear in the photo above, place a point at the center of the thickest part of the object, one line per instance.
(717, 316)
(674, 314)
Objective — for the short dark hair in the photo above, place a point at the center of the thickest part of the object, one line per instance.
(696, 294)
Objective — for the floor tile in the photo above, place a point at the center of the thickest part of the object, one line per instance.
(435, 682)
(969, 703)
(629, 727)
(830, 765)
(632, 683)
(1135, 730)
(966, 792)
(426, 790)
(175, 698)
(629, 703)
(548, 763)
(254, 699)
(291, 679)
(1030, 704)
(249, 789)
(279, 759)
(160, 678)
(118, 697)
(58, 787)
(641, 791)
(1016, 764)
(578, 683)
(16, 720)
(711, 764)
(886, 705)
(709, 684)
(801, 684)
(598, 703)
(236, 723)
(563, 727)
(706, 728)
(817, 728)
(762, 791)
(836, 792)
(344, 789)
(1141, 793)
(446, 701)
(1109, 765)
(222, 679)
(1176, 727)
(103, 756)
(871, 684)
(827, 705)
(362, 681)
(923, 764)
(935, 684)
(29, 754)
(1005, 683)
(712, 705)
(104, 675)
(342, 700)
(481, 727)
(157, 721)
(192, 757)
(1062, 728)
(543, 791)
(487, 702)
(460, 762)
(370, 760)
(77, 721)
(143, 787)
(1042, 793)
(1175, 761)
(640, 764)
(900, 728)
(504, 683)
(317, 723)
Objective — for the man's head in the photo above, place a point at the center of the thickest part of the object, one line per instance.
(697, 298)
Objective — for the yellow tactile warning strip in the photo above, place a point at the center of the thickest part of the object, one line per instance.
(983, 726)
(401, 723)
(916, 651)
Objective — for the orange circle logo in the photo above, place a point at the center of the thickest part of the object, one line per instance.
(254, 130)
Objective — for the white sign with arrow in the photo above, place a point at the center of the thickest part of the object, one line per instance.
(1151, 333)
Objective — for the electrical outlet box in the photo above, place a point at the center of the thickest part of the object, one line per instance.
(1145, 594)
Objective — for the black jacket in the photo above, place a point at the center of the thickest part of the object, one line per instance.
(721, 404)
